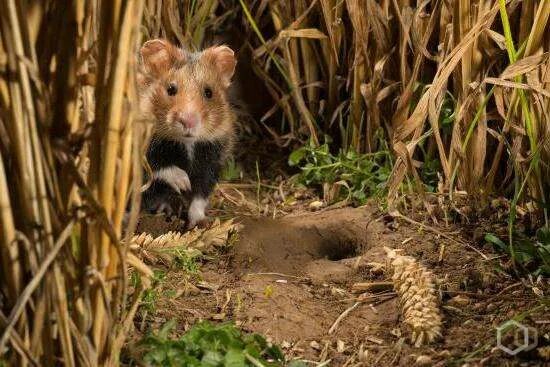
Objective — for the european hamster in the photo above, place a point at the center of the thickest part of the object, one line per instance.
(186, 94)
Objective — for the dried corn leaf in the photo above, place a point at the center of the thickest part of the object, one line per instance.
(302, 33)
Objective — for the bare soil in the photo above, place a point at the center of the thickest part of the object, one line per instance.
(290, 278)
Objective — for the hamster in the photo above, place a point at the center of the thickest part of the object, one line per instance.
(186, 95)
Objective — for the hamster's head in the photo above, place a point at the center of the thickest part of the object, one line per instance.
(186, 93)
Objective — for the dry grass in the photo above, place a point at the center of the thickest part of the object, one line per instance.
(464, 83)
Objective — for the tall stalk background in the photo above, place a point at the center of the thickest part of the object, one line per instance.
(464, 84)
(461, 85)
(70, 151)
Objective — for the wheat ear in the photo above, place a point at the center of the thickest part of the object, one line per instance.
(418, 300)
(164, 247)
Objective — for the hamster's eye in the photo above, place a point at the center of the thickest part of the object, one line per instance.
(207, 93)
(172, 89)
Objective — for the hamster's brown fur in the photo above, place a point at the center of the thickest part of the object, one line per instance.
(192, 74)
(186, 95)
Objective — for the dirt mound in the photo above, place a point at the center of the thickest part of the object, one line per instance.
(286, 245)
(295, 273)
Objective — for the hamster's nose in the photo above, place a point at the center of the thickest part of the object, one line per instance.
(187, 119)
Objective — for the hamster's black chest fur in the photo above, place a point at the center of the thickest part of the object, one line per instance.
(201, 160)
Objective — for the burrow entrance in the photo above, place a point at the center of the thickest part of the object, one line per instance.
(290, 244)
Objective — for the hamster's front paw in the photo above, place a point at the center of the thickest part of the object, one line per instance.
(175, 177)
(196, 213)
(160, 198)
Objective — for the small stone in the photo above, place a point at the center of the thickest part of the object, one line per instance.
(423, 361)
(315, 345)
(316, 205)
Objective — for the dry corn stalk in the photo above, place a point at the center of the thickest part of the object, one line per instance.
(70, 148)
(166, 246)
(544, 353)
(415, 286)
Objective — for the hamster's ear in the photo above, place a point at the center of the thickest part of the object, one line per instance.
(159, 56)
(223, 59)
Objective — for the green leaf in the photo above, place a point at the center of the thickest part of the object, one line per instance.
(490, 237)
(545, 269)
(234, 358)
(212, 359)
(543, 236)
(296, 157)
(209, 345)
(231, 171)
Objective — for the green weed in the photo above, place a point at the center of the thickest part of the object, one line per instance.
(210, 345)
(231, 171)
(429, 173)
(150, 295)
(531, 253)
(363, 175)
(187, 262)
(447, 114)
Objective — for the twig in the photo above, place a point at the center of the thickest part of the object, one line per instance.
(507, 289)
(377, 298)
(371, 286)
(432, 229)
(342, 316)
